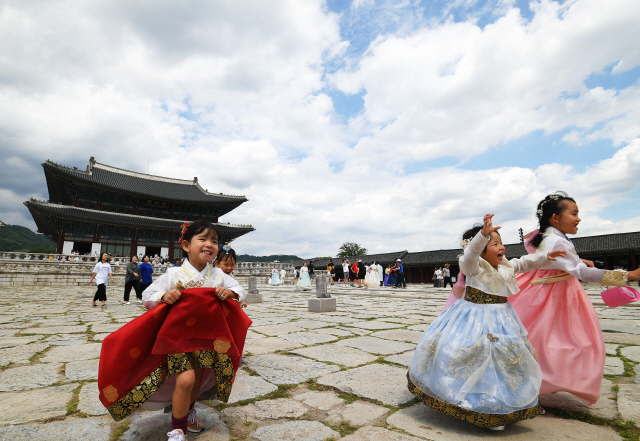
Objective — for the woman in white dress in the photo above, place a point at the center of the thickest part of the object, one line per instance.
(373, 279)
(275, 278)
(304, 282)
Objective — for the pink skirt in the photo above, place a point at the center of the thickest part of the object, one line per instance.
(564, 330)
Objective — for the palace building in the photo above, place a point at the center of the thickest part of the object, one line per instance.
(107, 209)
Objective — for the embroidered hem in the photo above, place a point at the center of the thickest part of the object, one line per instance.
(614, 278)
(477, 418)
(176, 363)
(552, 279)
(474, 295)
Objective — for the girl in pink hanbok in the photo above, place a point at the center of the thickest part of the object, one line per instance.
(555, 309)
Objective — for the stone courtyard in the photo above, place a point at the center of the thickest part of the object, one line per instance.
(305, 376)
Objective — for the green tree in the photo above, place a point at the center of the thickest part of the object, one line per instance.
(349, 249)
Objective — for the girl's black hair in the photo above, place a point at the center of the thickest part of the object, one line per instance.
(147, 256)
(224, 255)
(550, 205)
(198, 227)
(131, 258)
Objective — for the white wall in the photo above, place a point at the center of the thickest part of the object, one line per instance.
(67, 247)
(95, 248)
(165, 252)
(141, 249)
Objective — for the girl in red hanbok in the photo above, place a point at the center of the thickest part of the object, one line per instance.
(190, 341)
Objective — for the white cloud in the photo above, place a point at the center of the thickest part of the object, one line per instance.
(235, 94)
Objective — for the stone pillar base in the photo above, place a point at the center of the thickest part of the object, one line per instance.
(322, 305)
(254, 298)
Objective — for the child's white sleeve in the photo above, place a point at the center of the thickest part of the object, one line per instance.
(529, 262)
(470, 260)
(572, 264)
(233, 285)
(152, 295)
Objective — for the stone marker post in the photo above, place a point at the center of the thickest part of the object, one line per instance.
(253, 296)
(323, 301)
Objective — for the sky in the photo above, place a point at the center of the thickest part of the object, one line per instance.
(393, 124)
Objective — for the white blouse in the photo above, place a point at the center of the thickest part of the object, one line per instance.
(553, 240)
(185, 277)
(502, 281)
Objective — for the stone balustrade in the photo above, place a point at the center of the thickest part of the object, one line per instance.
(35, 269)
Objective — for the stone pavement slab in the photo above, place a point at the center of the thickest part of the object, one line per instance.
(399, 335)
(7, 342)
(613, 366)
(106, 328)
(358, 414)
(75, 430)
(266, 410)
(631, 352)
(66, 339)
(295, 431)
(421, 421)
(333, 353)
(378, 434)
(629, 402)
(404, 359)
(267, 345)
(247, 386)
(30, 377)
(620, 338)
(610, 348)
(376, 345)
(375, 325)
(280, 369)
(311, 324)
(35, 405)
(20, 354)
(73, 353)
(272, 330)
(56, 330)
(605, 407)
(365, 382)
(89, 402)
(334, 331)
(320, 400)
(82, 370)
(308, 338)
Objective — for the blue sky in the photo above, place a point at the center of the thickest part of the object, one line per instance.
(395, 124)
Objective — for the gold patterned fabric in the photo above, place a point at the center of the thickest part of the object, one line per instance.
(176, 363)
(614, 278)
(474, 295)
(552, 279)
(477, 418)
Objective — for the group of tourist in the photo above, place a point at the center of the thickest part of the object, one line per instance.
(442, 277)
(138, 276)
(278, 277)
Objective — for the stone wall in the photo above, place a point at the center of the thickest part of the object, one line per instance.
(24, 269)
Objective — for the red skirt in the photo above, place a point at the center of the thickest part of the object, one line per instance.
(199, 331)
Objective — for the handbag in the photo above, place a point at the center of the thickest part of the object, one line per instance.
(620, 295)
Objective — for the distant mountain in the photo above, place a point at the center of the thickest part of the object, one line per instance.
(273, 258)
(17, 238)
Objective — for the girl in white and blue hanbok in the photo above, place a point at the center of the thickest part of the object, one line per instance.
(304, 282)
(275, 278)
(474, 362)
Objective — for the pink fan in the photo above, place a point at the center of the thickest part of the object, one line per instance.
(620, 295)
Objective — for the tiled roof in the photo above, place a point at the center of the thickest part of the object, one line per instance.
(129, 220)
(142, 184)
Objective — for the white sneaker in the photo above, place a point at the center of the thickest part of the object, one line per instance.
(176, 435)
(496, 428)
(128, 303)
(138, 301)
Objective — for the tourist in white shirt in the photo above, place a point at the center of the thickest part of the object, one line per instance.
(102, 274)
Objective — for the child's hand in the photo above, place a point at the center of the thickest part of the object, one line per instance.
(589, 263)
(634, 275)
(170, 297)
(243, 305)
(488, 225)
(553, 254)
(225, 293)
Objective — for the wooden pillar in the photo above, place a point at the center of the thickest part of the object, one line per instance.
(606, 262)
(134, 247)
(60, 243)
(633, 264)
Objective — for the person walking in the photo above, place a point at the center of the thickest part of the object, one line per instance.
(132, 280)
(310, 268)
(145, 274)
(331, 268)
(400, 275)
(345, 271)
(447, 276)
(102, 274)
(380, 273)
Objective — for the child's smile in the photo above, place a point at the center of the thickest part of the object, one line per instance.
(202, 248)
(494, 253)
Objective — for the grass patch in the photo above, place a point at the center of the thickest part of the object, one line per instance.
(72, 405)
(282, 392)
(119, 430)
(312, 385)
(343, 429)
(251, 372)
(348, 398)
